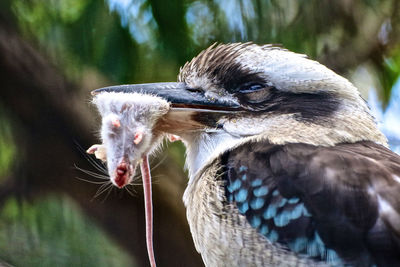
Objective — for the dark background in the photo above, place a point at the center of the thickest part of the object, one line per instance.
(53, 53)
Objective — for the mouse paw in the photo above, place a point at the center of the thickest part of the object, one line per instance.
(99, 151)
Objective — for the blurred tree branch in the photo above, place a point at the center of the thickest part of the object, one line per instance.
(369, 44)
(48, 115)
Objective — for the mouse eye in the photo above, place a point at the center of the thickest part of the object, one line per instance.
(138, 137)
(116, 123)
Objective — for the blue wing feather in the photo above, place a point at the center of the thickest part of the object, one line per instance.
(290, 202)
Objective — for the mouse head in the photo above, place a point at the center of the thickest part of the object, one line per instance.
(127, 134)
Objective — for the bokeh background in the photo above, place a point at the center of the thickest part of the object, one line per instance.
(54, 52)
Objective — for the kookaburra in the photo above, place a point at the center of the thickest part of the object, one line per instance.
(286, 164)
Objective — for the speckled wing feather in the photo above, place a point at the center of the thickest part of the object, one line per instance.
(339, 204)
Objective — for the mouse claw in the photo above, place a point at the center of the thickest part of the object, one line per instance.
(173, 138)
(99, 151)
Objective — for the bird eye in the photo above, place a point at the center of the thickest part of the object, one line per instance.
(248, 88)
(254, 93)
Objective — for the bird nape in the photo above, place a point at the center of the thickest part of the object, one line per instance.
(286, 164)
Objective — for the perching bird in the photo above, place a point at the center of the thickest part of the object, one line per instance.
(286, 164)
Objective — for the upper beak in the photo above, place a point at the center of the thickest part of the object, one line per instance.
(178, 94)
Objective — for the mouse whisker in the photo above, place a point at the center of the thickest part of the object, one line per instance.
(92, 182)
(97, 164)
(129, 191)
(102, 189)
(111, 187)
(158, 163)
(93, 174)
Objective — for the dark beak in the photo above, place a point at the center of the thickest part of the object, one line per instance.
(178, 94)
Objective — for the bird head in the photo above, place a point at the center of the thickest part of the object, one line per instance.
(236, 93)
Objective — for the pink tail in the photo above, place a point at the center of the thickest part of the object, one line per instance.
(148, 204)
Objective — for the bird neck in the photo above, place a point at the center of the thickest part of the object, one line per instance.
(203, 147)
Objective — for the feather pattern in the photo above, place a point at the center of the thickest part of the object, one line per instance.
(336, 205)
(222, 235)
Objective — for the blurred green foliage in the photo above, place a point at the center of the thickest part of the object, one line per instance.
(142, 41)
(52, 232)
(8, 150)
(78, 34)
(391, 71)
